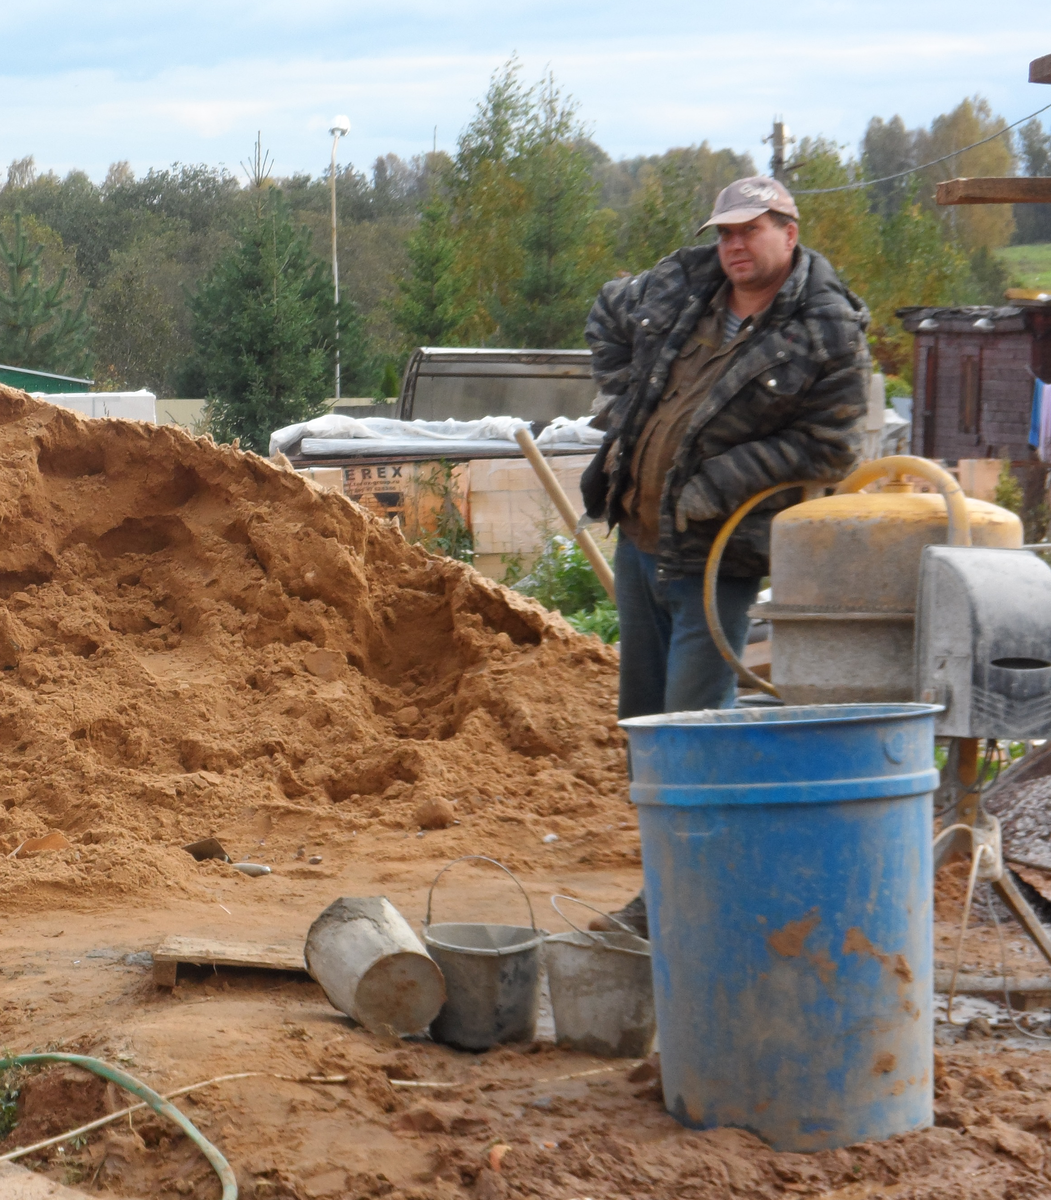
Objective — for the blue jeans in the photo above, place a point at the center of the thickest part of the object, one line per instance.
(668, 661)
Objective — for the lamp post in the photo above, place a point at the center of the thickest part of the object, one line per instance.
(340, 128)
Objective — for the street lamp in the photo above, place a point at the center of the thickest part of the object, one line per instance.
(340, 128)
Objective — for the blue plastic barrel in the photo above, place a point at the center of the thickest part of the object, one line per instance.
(787, 860)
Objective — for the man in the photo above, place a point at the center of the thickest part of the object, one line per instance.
(723, 370)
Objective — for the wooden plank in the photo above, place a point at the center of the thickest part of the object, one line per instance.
(756, 658)
(207, 952)
(1040, 70)
(1009, 189)
(980, 985)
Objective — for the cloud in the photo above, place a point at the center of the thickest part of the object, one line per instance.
(154, 85)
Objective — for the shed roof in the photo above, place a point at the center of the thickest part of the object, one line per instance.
(41, 381)
(965, 318)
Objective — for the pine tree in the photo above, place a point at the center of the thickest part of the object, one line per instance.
(42, 328)
(263, 330)
(563, 240)
(431, 306)
(532, 244)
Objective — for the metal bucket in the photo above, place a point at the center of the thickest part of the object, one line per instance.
(492, 976)
(787, 861)
(372, 967)
(601, 990)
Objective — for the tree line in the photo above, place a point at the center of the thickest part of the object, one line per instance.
(190, 283)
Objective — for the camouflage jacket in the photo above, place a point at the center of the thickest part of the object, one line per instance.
(787, 405)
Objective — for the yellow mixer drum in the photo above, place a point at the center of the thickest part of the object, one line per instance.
(844, 572)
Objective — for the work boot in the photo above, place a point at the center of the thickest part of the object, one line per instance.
(633, 915)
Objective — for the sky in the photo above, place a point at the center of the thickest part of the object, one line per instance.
(193, 80)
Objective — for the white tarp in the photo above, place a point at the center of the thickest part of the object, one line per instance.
(564, 432)
(126, 406)
(335, 435)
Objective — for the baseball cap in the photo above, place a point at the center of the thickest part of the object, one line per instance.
(746, 199)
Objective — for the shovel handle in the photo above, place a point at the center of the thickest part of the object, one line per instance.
(479, 858)
(566, 510)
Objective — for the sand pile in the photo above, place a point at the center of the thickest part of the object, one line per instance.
(194, 641)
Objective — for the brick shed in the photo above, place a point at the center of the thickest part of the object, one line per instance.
(973, 371)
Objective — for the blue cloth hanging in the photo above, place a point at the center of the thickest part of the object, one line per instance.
(1034, 420)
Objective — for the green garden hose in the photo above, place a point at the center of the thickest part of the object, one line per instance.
(157, 1103)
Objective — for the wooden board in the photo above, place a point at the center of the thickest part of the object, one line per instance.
(756, 658)
(980, 985)
(207, 952)
(16, 1183)
(1040, 70)
(1009, 189)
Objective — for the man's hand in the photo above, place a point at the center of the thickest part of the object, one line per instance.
(694, 505)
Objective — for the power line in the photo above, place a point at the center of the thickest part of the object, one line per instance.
(850, 187)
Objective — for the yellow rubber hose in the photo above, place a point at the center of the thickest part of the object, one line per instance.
(711, 579)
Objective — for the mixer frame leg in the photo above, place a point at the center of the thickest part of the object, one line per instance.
(962, 768)
(1007, 890)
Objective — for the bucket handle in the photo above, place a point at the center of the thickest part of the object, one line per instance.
(478, 858)
(590, 934)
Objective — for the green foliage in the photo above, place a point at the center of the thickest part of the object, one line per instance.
(989, 276)
(969, 225)
(1035, 520)
(41, 326)
(513, 245)
(887, 149)
(506, 242)
(140, 315)
(451, 535)
(562, 578)
(838, 224)
(671, 196)
(893, 252)
(514, 568)
(390, 381)
(1030, 265)
(602, 620)
(9, 1092)
(431, 305)
(1008, 492)
(8, 1111)
(566, 247)
(1033, 221)
(914, 264)
(263, 326)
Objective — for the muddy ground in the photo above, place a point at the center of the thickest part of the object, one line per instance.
(576, 1126)
(196, 642)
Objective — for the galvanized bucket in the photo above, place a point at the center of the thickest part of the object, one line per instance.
(601, 989)
(372, 967)
(492, 976)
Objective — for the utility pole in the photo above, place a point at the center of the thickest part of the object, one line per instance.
(340, 128)
(779, 139)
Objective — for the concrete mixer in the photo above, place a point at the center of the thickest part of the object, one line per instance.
(896, 596)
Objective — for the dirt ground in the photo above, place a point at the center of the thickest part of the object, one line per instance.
(195, 642)
(576, 1126)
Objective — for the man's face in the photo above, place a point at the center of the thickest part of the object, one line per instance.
(756, 253)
